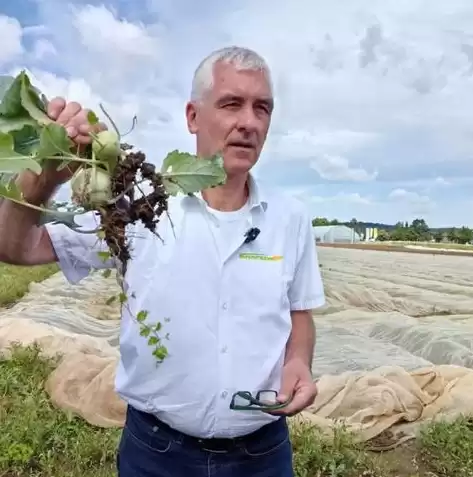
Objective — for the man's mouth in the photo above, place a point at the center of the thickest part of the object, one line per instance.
(243, 144)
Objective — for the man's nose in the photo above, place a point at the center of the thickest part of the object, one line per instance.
(247, 119)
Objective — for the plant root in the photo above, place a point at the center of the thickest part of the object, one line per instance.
(130, 173)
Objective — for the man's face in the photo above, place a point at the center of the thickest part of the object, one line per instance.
(233, 117)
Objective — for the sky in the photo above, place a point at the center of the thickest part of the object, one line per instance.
(374, 99)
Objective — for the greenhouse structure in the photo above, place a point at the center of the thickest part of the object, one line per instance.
(335, 234)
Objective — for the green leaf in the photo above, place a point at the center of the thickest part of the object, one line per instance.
(160, 353)
(153, 340)
(92, 118)
(8, 125)
(104, 255)
(53, 140)
(26, 140)
(186, 173)
(13, 162)
(31, 101)
(10, 88)
(22, 104)
(5, 82)
(141, 316)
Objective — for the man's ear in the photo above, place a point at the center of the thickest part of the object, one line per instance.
(191, 115)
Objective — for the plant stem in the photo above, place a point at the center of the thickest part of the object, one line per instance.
(110, 119)
(40, 209)
(74, 159)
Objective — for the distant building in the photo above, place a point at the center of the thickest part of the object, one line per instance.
(335, 234)
(371, 234)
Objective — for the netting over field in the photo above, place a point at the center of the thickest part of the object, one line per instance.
(394, 344)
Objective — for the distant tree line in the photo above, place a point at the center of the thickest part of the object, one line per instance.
(416, 231)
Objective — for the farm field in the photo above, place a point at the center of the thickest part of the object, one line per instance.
(407, 247)
(394, 351)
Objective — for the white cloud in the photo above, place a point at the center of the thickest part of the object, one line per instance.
(10, 39)
(412, 197)
(43, 49)
(417, 203)
(336, 168)
(102, 32)
(441, 181)
(378, 98)
(347, 198)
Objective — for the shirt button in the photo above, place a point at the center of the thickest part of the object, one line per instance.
(224, 394)
(224, 306)
(224, 349)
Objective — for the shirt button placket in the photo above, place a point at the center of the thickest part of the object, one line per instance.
(223, 333)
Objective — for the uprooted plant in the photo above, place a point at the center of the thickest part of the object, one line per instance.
(110, 177)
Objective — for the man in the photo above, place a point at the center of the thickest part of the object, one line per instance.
(239, 311)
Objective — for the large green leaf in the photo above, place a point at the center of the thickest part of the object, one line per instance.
(21, 102)
(53, 140)
(31, 101)
(11, 106)
(15, 124)
(187, 173)
(13, 162)
(26, 140)
(5, 83)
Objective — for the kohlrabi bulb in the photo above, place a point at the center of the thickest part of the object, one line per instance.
(91, 187)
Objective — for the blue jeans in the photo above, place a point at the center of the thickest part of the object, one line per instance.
(149, 448)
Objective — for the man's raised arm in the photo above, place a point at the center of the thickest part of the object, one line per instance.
(23, 240)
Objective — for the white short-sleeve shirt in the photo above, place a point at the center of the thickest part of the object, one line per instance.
(225, 305)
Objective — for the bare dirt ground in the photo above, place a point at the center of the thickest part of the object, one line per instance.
(380, 247)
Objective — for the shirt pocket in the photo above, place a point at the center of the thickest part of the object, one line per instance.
(259, 285)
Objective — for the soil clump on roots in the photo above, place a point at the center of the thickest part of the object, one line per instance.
(130, 207)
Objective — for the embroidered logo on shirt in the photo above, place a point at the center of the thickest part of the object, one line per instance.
(260, 256)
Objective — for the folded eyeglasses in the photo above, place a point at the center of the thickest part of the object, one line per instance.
(264, 400)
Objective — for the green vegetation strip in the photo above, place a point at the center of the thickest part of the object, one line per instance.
(14, 281)
(36, 438)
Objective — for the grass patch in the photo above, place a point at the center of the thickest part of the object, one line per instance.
(38, 439)
(14, 280)
(448, 447)
(448, 245)
(317, 455)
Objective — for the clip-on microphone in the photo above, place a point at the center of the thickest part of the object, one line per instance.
(251, 234)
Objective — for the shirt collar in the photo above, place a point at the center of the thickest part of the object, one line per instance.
(257, 197)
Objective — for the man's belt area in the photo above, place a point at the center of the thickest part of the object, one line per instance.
(210, 444)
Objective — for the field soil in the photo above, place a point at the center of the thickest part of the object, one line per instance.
(381, 247)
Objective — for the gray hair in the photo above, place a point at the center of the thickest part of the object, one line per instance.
(241, 58)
